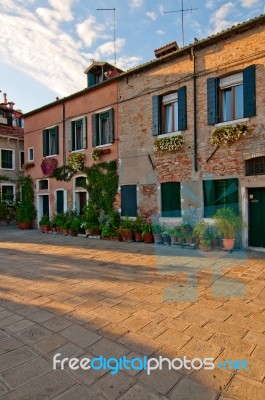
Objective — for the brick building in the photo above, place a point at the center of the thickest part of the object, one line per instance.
(11, 149)
(187, 94)
(77, 124)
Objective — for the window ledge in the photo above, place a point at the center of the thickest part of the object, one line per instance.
(163, 135)
(103, 145)
(76, 151)
(234, 122)
(51, 155)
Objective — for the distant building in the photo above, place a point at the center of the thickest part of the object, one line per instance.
(11, 149)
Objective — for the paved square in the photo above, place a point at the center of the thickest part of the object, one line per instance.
(89, 298)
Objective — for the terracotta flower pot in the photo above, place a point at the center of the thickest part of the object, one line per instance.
(148, 238)
(174, 239)
(45, 228)
(228, 244)
(24, 225)
(138, 237)
(158, 239)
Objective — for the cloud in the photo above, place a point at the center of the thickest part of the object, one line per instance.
(160, 32)
(218, 18)
(125, 62)
(60, 11)
(107, 49)
(249, 3)
(90, 30)
(136, 3)
(152, 15)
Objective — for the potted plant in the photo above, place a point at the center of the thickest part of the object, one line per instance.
(75, 226)
(44, 224)
(90, 217)
(205, 245)
(138, 229)
(188, 237)
(147, 232)
(166, 238)
(186, 228)
(25, 209)
(157, 233)
(3, 210)
(228, 225)
(173, 236)
(126, 230)
(105, 232)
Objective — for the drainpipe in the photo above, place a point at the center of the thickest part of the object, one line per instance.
(64, 138)
(195, 111)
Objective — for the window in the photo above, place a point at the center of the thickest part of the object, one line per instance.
(31, 154)
(80, 181)
(170, 112)
(231, 97)
(43, 184)
(255, 166)
(7, 159)
(59, 201)
(103, 128)
(50, 141)
(170, 199)
(77, 137)
(8, 193)
(129, 200)
(220, 193)
(21, 159)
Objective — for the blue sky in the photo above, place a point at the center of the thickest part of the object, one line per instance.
(45, 45)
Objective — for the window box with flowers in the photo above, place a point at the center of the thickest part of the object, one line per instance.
(226, 135)
(76, 161)
(28, 165)
(97, 153)
(48, 166)
(169, 143)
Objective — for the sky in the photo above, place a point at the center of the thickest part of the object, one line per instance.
(45, 45)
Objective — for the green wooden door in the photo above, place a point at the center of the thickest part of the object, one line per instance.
(256, 207)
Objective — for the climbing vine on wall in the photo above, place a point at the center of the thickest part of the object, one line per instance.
(102, 184)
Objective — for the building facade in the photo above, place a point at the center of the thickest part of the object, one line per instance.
(185, 104)
(11, 150)
(85, 123)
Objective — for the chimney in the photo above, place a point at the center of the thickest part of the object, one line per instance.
(11, 105)
(167, 49)
(5, 99)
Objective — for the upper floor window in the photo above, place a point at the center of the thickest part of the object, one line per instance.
(170, 112)
(103, 128)
(7, 159)
(50, 141)
(231, 97)
(77, 136)
(43, 184)
(21, 159)
(255, 166)
(31, 154)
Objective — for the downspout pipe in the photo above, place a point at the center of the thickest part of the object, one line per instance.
(195, 111)
(64, 136)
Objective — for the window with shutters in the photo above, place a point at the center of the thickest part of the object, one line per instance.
(129, 200)
(170, 112)
(50, 141)
(43, 184)
(220, 193)
(103, 128)
(8, 193)
(30, 154)
(77, 134)
(231, 97)
(7, 159)
(170, 199)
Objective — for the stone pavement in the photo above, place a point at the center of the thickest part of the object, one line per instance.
(86, 298)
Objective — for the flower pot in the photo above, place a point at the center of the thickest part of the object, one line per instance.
(105, 237)
(180, 240)
(127, 235)
(148, 237)
(88, 231)
(215, 243)
(188, 240)
(174, 239)
(24, 225)
(205, 248)
(45, 228)
(228, 244)
(74, 233)
(115, 239)
(158, 239)
(65, 232)
(138, 237)
(166, 239)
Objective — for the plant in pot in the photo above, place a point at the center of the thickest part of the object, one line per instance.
(105, 232)
(138, 229)
(126, 229)
(3, 210)
(199, 231)
(75, 226)
(188, 237)
(148, 232)
(90, 217)
(157, 233)
(228, 225)
(44, 223)
(173, 236)
(25, 209)
(205, 245)
(166, 238)
(186, 228)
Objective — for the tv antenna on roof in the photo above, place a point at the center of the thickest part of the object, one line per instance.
(182, 10)
(114, 28)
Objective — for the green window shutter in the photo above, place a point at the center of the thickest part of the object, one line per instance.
(129, 200)
(182, 108)
(249, 91)
(212, 101)
(111, 125)
(231, 195)
(94, 130)
(209, 198)
(59, 201)
(45, 142)
(156, 113)
(56, 129)
(69, 131)
(84, 132)
(170, 198)
(91, 79)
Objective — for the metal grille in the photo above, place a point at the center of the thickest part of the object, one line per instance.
(255, 166)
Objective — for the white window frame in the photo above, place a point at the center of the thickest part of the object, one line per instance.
(98, 113)
(64, 199)
(167, 99)
(13, 159)
(49, 128)
(38, 184)
(14, 190)
(81, 118)
(29, 159)
(227, 82)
